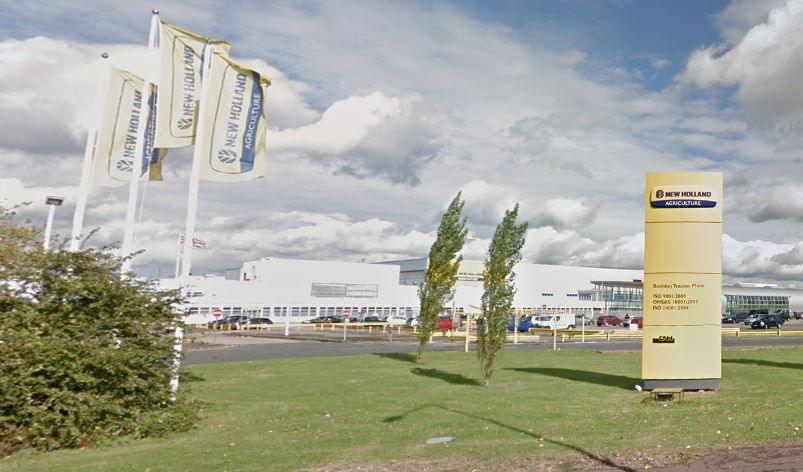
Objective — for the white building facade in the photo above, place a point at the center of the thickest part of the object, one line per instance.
(299, 290)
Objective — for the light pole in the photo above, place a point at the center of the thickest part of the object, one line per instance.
(52, 203)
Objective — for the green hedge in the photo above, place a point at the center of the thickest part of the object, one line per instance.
(84, 355)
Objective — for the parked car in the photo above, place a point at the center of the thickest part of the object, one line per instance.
(750, 319)
(608, 320)
(578, 320)
(397, 319)
(767, 322)
(638, 321)
(372, 319)
(797, 315)
(445, 323)
(411, 322)
(728, 320)
(740, 317)
(327, 319)
(784, 315)
(561, 321)
(259, 320)
(525, 323)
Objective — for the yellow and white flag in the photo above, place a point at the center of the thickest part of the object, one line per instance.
(181, 53)
(233, 126)
(124, 111)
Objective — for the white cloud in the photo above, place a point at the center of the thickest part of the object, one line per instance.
(761, 260)
(381, 111)
(14, 192)
(765, 65)
(741, 15)
(486, 203)
(762, 201)
(300, 235)
(372, 135)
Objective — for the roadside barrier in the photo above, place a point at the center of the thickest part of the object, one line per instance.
(533, 335)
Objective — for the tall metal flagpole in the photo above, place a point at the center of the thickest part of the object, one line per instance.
(195, 174)
(179, 244)
(136, 165)
(86, 166)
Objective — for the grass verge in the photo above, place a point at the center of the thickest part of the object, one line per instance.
(302, 413)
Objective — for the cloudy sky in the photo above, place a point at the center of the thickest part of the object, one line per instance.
(381, 111)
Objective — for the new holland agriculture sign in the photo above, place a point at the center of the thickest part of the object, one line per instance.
(683, 197)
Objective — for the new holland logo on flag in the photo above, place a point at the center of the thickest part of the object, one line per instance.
(234, 123)
(123, 113)
(180, 84)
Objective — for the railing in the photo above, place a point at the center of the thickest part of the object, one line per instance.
(533, 335)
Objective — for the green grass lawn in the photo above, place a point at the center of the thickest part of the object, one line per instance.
(298, 413)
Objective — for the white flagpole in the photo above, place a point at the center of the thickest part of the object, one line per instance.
(136, 165)
(86, 166)
(178, 255)
(195, 174)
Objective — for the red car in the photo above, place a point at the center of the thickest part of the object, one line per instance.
(608, 320)
(445, 323)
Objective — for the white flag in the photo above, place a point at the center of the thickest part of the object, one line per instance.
(181, 52)
(232, 139)
(124, 112)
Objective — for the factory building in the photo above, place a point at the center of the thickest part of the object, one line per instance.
(299, 290)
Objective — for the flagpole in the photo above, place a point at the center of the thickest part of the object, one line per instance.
(195, 174)
(86, 165)
(178, 255)
(136, 165)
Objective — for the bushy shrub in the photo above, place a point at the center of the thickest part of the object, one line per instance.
(84, 354)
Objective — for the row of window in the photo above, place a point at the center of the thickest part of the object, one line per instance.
(307, 311)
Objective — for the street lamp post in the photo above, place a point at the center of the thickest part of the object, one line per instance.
(52, 203)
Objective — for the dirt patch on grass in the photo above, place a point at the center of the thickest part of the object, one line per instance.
(782, 457)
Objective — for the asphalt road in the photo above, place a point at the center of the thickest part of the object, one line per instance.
(262, 348)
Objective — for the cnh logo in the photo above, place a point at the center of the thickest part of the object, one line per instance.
(659, 193)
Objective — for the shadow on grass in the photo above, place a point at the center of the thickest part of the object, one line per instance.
(598, 378)
(457, 379)
(590, 455)
(783, 365)
(398, 356)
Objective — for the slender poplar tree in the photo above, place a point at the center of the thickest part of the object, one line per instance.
(442, 264)
(499, 287)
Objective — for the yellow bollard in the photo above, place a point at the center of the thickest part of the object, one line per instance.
(468, 333)
(554, 340)
(369, 329)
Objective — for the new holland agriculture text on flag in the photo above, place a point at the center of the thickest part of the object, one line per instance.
(181, 52)
(123, 113)
(232, 142)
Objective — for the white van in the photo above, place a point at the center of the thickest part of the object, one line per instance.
(560, 321)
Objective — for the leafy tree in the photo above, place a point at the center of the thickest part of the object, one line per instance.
(499, 287)
(442, 266)
(84, 355)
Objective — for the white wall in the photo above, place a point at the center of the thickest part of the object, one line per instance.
(287, 283)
